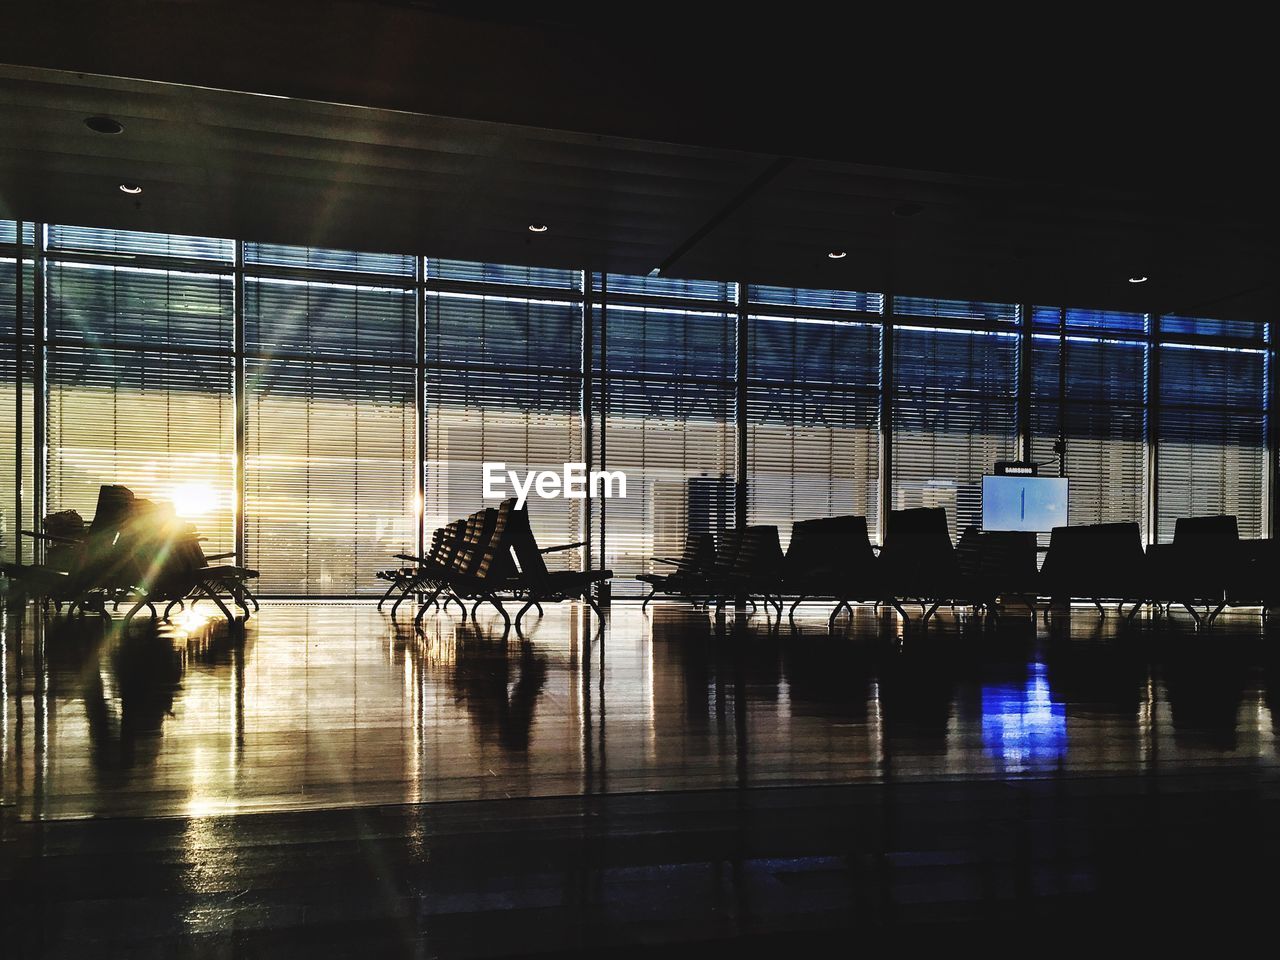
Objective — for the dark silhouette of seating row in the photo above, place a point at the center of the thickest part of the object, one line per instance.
(833, 559)
(493, 557)
(133, 552)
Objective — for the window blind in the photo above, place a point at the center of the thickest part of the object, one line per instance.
(1212, 446)
(330, 493)
(953, 417)
(670, 425)
(813, 402)
(139, 373)
(136, 243)
(1104, 415)
(978, 310)
(502, 385)
(10, 524)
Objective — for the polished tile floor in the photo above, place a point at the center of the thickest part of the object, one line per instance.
(668, 780)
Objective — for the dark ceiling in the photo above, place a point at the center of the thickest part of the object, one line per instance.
(1048, 169)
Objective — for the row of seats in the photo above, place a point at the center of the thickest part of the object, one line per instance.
(832, 558)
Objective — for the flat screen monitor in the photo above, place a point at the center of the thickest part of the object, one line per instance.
(1035, 504)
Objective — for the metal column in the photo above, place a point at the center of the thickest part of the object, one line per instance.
(886, 418)
(740, 412)
(420, 398)
(585, 412)
(1024, 384)
(1152, 420)
(19, 337)
(238, 398)
(39, 392)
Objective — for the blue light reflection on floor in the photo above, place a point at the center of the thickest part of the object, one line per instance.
(1023, 725)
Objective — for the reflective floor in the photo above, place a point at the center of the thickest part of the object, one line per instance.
(669, 780)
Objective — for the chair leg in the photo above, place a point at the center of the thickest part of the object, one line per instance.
(1214, 615)
(648, 598)
(395, 585)
(506, 618)
(201, 585)
(135, 610)
(520, 615)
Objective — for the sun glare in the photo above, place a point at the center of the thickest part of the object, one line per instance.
(194, 500)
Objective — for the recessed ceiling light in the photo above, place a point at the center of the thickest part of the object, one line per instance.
(837, 254)
(537, 228)
(1137, 279)
(104, 125)
(130, 188)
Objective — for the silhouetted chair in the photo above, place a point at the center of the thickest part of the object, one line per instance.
(1254, 582)
(689, 579)
(1198, 566)
(1096, 562)
(999, 565)
(830, 557)
(479, 558)
(918, 561)
(534, 583)
(179, 571)
(426, 572)
(755, 569)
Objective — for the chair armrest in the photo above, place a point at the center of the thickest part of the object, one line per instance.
(220, 556)
(563, 546)
(49, 536)
(674, 563)
(411, 558)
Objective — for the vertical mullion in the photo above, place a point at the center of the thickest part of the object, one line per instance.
(605, 591)
(1151, 419)
(1024, 384)
(886, 417)
(19, 340)
(39, 391)
(238, 399)
(585, 413)
(740, 411)
(420, 399)
(1271, 397)
(1060, 448)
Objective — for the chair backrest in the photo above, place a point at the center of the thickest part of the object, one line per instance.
(917, 554)
(439, 541)
(759, 554)
(495, 559)
(699, 554)
(115, 504)
(455, 535)
(1207, 533)
(1004, 559)
(525, 547)
(917, 532)
(827, 545)
(1095, 560)
(727, 547)
(479, 529)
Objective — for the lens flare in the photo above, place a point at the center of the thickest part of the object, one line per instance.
(193, 499)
